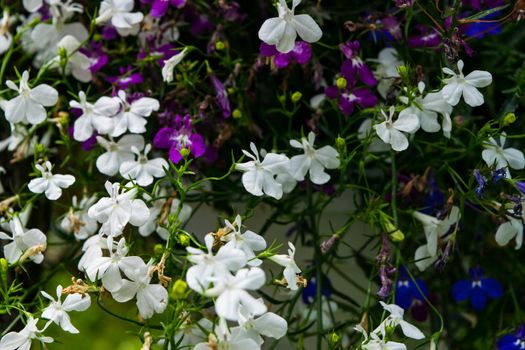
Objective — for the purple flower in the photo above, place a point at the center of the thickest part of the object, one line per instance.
(109, 32)
(482, 182)
(477, 289)
(199, 23)
(350, 97)
(404, 3)
(385, 269)
(521, 186)
(513, 341)
(354, 67)
(498, 174)
(426, 38)
(408, 295)
(125, 79)
(221, 96)
(231, 11)
(160, 7)
(301, 53)
(96, 55)
(179, 137)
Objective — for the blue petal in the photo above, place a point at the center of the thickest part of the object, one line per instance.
(404, 297)
(478, 299)
(461, 290)
(491, 287)
(508, 342)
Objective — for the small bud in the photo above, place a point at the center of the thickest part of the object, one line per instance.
(282, 98)
(40, 150)
(334, 339)
(219, 45)
(296, 97)
(231, 90)
(459, 120)
(341, 83)
(396, 235)
(184, 152)
(509, 118)
(178, 291)
(184, 240)
(237, 114)
(3, 272)
(158, 249)
(327, 245)
(340, 144)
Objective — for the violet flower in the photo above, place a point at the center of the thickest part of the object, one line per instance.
(477, 289)
(513, 341)
(96, 55)
(179, 137)
(221, 96)
(428, 37)
(231, 11)
(160, 7)
(482, 182)
(301, 53)
(385, 269)
(350, 97)
(354, 66)
(124, 80)
(521, 186)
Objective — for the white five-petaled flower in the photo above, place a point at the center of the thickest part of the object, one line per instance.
(434, 229)
(313, 161)
(259, 177)
(5, 37)
(107, 268)
(290, 267)
(500, 157)
(248, 242)
(282, 31)
(77, 221)
(459, 85)
(268, 324)
(32, 5)
(120, 15)
(223, 339)
(28, 106)
(396, 318)
(117, 153)
(22, 340)
(512, 228)
(143, 170)
(49, 184)
(392, 132)
(116, 211)
(169, 65)
(231, 293)
(210, 268)
(94, 116)
(132, 116)
(78, 63)
(57, 310)
(376, 343)
(23, 241)
(151, 298)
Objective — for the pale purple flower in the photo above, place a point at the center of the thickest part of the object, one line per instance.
(426, 38)
(222, 96)
(354, 66)
(179, 137)
(301, 53)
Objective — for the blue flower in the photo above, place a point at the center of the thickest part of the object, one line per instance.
(498, 174)
(482, 182)
(310, 291)
(477, 289)
(513, 341)
(521, 186)
(408, 295)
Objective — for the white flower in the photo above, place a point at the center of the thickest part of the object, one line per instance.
(132, 116)
(259, 177)
(92, 249)
(23, 241)
(108, 268)
(77, 63)
(117, 153)
(248, 241)
(50, 184)
(57, 310)
(143, 170)
(32, 5)
(375, 343)
(366, 131)
(268, 324)
(496, 155)
(459, 85)
(94, 116)
(387, 69)
(290, 267)
(512, 228)
(28, 106)
(231, 293)
(313, 161)
(116, 211)
(119, 12)
(224, 340)
(396, 318)
(282, 31)
(169, 65)
(22, 340)
(151, 298)
(392, 132)
(434, 229)
(5, 36)
(77, 221)
(210, 268)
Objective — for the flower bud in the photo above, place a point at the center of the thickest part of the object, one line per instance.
(296, 97)
(282, 98)
(178, 290)
(184, 152)
(509, 118)
(403, 71)
(231, 91)
(341, 83)
(158, 249)
(219, 46)
(3, 272)
(184, 240)
(334, 339)
(340, 144)
(237, 114)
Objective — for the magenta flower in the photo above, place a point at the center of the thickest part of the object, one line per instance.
(301, 53)
(160, 7)
(96, 55)
(125, 79)
(222, 96)
(350, 97)
(179, 137)
(353, 66)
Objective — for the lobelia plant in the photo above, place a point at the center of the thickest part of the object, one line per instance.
(191, 174)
